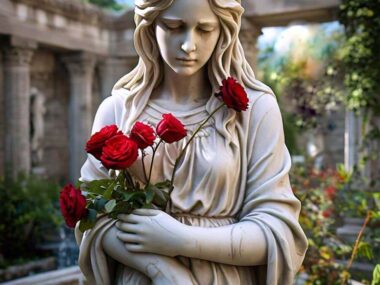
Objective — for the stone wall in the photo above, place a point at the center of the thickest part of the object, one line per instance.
(2, 118)
(49, 77)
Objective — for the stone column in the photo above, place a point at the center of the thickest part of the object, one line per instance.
(249, 33)
(17, 58)
(111, 70)
(81, 69)
(2, 118)
(352, 139)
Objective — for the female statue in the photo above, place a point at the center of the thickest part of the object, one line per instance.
(233, 217)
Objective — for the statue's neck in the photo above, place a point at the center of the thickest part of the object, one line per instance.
(184, 90)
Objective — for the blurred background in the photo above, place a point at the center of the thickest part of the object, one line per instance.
(60, 58)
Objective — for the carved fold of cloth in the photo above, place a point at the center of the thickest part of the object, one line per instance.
(245, 177)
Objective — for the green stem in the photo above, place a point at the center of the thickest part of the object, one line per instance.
(187, 144)
(129, 180)
(151, 164)
(143, 165)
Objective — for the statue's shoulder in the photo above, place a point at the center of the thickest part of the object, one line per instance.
(261, 100)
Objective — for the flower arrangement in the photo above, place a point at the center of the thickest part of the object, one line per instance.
(123, 193)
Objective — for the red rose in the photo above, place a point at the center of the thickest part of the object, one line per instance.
(170, 129)
(96, 143)
(330, 192)
(233, 94)
(73, 205)
(143, 135)
(119, 152)
(327, 213)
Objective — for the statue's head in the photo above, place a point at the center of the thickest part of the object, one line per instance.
(170, 30)
(204, 29)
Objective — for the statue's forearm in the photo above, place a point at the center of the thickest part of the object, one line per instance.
(241, 244)
(160, 269)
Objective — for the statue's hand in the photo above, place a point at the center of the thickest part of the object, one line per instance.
(154, 231)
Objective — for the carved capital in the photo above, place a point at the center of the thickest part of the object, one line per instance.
(80, 64)
(17, 56)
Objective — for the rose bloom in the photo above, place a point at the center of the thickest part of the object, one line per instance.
(96, 143)
(73, 205)
(330, 192)
(233, 95)
(119, 152)
(170, 129)
(143, 135)
(327, 213)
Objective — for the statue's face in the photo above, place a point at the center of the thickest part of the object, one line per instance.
(187, 33)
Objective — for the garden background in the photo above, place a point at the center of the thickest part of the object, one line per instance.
(60, 58)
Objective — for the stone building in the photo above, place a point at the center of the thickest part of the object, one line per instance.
(60, 58)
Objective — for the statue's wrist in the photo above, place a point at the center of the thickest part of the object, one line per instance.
(186, 242)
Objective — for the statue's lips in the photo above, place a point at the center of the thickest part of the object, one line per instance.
(186, 60)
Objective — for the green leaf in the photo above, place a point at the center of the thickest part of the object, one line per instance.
(376, 275)
(160, 196)
(376, 197)
(108, 192)
(365, 250)
(110, 205)
(78, 184)
(98, 186)
(163, 185)
(149, 193)
(99, 203)
(92, 213)
(89, 221)
(121, 207)
(133, 196)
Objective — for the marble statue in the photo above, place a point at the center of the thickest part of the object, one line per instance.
(233, 217)
(38, 110)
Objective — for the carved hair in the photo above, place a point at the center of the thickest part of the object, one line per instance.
(228, 59)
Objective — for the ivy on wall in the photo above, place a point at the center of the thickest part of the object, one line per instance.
(360, 54)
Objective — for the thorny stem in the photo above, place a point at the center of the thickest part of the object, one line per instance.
(187, 144)
(356, 246)
(143, 164)
(151, 163)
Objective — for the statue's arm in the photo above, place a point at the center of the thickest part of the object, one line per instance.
(160, 269)
(268, 230)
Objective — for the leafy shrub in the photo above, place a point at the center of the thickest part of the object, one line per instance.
(29, 207)
(327, 197)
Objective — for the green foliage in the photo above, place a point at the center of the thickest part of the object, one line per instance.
(29, 209)
(376, 275)
(323, 211)
(121, 195)
(359, 54)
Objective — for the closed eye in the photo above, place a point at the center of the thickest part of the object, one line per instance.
(172, 26)
(205, 30)
(206, 27)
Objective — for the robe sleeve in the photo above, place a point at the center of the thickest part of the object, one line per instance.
(269, 200)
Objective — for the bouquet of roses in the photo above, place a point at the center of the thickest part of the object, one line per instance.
(123, 193)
